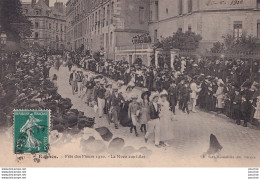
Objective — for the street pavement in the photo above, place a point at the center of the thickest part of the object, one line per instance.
(192, 131)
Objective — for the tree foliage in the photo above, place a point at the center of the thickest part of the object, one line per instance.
(13, 21)
(230, 44)
(184, 41)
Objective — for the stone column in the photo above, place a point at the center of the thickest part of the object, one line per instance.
(149, 54)
(174, 52)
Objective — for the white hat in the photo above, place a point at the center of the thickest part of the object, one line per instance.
(164, 92)
(153, 95)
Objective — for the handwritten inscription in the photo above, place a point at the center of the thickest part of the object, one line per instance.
(224, 2)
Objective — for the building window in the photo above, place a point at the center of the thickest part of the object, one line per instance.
(36, 25)
(155, 35)
(151, 15)
(180, 29)
(104, 17)
(61, 28)
(36, 35)
(112, 12)
(258, 4)
(37, 12)
(258, 30)
(189, 6)
(167, 10)
(180, 7)
(141, 15)
(238, 29)
(49, 25)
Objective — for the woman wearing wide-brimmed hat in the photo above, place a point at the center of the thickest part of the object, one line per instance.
(123, 116)
(144, 110)
(154, 119)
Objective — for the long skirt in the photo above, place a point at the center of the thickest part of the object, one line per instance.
(123, 115)
(219, 103)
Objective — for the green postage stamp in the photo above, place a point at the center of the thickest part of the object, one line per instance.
(31, 131)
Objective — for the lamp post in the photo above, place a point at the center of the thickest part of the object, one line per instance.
(3, 38)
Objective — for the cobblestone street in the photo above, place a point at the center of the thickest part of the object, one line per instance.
(192, 133)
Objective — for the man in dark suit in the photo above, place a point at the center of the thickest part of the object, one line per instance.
(172, 96)
(154, 120)
(115, 103)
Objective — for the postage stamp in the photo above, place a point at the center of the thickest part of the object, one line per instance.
(31, 131)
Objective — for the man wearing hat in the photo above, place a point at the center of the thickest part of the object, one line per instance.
(115, 103)
(108, 95)
(80, 77)
(185, 96)
(172, 96)
(236, 106)
(154, 120)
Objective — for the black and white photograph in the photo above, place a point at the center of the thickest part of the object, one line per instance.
(130, 83)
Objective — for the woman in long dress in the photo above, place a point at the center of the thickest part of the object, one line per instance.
(166, 119)
(123, 115)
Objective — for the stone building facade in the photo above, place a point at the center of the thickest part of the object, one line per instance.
(110, 25)
(212, 19)
(49, 24)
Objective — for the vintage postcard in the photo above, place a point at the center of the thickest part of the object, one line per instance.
(130, 83)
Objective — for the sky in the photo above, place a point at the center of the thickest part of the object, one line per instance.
(51, 1)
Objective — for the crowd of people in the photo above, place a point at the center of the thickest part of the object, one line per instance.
(135, 95)
(30, 86)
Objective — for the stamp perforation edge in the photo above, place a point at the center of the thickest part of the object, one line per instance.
(49, 129)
